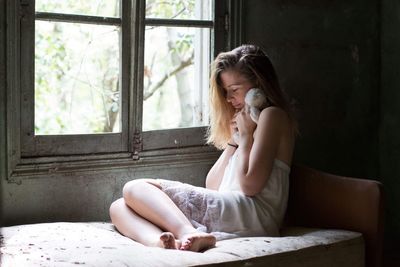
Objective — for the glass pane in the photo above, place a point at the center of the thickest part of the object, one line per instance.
(106, 8)
(176, 77)
(180, 9)
(77, 88)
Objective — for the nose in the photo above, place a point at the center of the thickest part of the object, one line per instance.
(229, 97)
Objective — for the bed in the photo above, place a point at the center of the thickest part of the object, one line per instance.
(331, 221)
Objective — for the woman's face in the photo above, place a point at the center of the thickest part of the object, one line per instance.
(235, 86)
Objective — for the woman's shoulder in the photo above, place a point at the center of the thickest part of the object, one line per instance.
(274, 114)
(275, 119)
(277, 123)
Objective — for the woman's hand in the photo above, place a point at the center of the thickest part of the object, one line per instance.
(245, 125)
(233, 125)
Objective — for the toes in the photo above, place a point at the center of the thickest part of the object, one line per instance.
(168, 240)
(198, 243)
(164, 237)
(186, 245)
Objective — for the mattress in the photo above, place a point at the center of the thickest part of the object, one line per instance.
(99, 244)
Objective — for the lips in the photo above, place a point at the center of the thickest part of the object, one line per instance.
(237, 106)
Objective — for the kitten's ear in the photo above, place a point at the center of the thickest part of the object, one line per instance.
(255, 114)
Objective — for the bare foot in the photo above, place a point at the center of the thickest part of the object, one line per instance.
(197, 241)
(168, 241)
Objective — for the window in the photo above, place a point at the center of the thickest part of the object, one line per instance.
(76, 67)
(111, 80)
(76, 96)
(177, 55)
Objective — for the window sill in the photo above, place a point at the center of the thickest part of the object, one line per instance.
(30, 168)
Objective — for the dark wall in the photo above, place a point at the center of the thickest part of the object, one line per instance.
(340, 61)
(390, 115)
(2, 103)
(327, 57)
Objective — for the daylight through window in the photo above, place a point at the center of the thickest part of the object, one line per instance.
(176, 63)
(77, 68)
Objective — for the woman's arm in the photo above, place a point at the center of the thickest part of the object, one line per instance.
(256, 154)
(216, 173)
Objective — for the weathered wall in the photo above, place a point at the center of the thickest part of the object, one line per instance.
(81, 196)
(2, 103)
(390, 116)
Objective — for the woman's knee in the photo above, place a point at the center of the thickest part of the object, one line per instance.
(130, 188)
(135, 188)
(116, 207)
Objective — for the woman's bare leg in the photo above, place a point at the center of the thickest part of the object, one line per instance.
(146, 199)
(135, 227)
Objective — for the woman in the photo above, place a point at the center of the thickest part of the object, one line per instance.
(246, 189)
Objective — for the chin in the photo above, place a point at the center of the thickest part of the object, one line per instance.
(238, 107)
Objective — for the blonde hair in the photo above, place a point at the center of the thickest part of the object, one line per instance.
(254, 64)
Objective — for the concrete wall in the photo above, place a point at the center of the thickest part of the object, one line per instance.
(83, 196)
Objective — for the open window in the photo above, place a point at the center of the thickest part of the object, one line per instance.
(74, 82)
(110, 80)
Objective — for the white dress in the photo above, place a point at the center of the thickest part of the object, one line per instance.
(228, 212)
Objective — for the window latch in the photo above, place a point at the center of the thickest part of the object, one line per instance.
(137, 145)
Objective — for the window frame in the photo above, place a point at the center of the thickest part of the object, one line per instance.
(176, 137)
(131, 147)
(46, 145)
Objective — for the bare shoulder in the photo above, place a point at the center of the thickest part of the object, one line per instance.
(275, 131)
(274, 115)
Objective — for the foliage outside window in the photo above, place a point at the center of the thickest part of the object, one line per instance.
(77, 68)
(176, 65)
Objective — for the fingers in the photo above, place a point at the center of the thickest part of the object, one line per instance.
(246, 109)
(233, 124)
(243, 114)
(241, 122)
(244, 122)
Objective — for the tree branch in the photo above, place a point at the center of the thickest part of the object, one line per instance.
(180, 67)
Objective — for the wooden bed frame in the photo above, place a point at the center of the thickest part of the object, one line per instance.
(322, 200)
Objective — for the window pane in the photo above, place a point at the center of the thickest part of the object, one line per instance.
(77, 88)
(181, 9)
(106, 8)
(175, 85)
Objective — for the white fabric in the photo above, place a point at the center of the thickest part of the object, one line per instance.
(228, 212)
(262, 214)
(92, 244)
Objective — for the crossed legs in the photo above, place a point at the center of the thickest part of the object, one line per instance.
(146, 214)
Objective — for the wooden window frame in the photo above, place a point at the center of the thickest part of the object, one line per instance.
(47, 145)
(29, 156)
